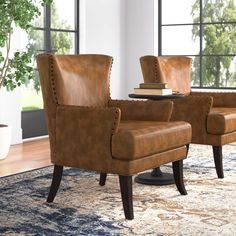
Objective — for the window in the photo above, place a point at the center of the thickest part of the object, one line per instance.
(55, 31)
(204, 30)
(57, 27)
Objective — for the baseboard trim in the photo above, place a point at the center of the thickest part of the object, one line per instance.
(35, 138)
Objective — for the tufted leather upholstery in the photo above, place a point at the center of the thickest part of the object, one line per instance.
(89, 130)
(212, 115)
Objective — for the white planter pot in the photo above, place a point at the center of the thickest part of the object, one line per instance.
(5, 140)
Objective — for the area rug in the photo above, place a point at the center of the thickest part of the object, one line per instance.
(82, 207)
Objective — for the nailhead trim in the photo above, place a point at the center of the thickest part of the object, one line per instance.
(50, 72)
(115, 121)
(109, 75)
(52, 80)
(209, 106)
(156, 71)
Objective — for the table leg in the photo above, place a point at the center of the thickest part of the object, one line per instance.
(156, 177)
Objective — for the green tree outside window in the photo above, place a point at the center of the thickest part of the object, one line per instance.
(219, 39)
(61, 43)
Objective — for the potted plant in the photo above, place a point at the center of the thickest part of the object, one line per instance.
(15, 66)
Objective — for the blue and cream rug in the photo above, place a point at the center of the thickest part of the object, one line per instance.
(82, 207)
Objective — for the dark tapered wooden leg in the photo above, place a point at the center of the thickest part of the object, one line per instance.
(187, 146)
(103, 177)
(56, 180)
(217, 151)
(178, 176)
(126, 189)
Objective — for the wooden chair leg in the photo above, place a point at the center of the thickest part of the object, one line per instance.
(187, 146)
(217, 151)
(56, 180)
(178, 176)
(102, 180)
(127, 196)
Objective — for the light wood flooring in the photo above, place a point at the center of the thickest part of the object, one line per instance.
(27, 156)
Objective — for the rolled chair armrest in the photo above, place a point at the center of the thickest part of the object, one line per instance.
(85, 134)
(220, 99)
(75, 117)
(194, 110)
(143, 110)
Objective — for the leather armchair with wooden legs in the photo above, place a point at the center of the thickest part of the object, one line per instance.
(212, 115)
(89, 130)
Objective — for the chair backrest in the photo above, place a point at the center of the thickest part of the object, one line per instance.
(81, 80)
(175, 70)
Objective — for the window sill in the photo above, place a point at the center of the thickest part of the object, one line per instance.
(212, 90)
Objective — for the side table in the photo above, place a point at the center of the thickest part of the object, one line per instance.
(156, 177)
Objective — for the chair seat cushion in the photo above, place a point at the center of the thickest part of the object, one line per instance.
(137, 139)
(221, 120)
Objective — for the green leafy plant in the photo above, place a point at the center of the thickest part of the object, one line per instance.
(219, 39)
(16, 67)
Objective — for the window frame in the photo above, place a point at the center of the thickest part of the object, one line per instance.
(201, 56)
(47, 29)
(30, 117)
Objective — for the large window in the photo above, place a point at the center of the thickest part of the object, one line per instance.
(56, 31)
(204, 30)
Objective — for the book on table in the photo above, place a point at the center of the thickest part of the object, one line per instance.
(153, 85)
(142, 91)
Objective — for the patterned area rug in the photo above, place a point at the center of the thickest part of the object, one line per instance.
(82, 207)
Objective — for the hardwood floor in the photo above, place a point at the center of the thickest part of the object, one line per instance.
(27, 156)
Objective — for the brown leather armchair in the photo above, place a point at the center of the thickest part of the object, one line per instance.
(212, 115)
(89, 130)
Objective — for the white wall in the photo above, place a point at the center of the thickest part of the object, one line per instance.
(125, 29)
(10, 102)
(10, 113)
(103, 32)
(141, 37)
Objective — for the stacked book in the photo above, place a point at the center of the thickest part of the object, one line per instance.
(153, 89)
